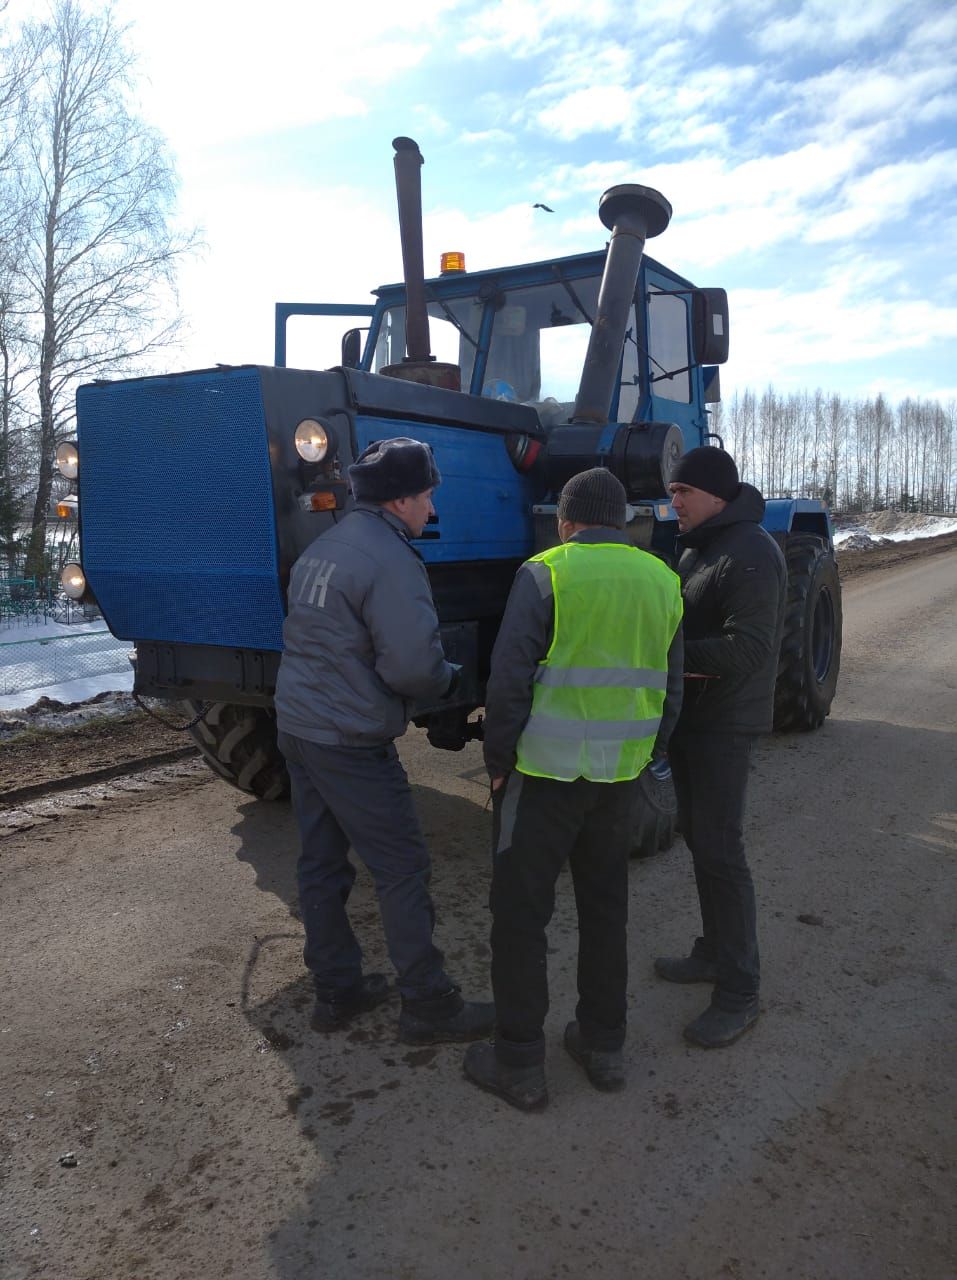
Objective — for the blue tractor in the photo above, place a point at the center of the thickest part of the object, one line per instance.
(198, 491)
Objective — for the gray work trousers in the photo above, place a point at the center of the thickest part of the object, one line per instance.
(360, 796)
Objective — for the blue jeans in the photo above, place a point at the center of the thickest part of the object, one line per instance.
(710, 772)
(360, 796)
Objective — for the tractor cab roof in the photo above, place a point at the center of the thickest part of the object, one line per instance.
(462, 284)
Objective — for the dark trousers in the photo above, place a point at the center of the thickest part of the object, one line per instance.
(710, 772)
(360, 796)
(539, 824)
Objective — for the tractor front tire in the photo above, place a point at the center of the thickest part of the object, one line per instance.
(656, 811)
(239, 743)
(811, 644)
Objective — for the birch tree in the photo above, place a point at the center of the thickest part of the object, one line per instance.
(100, 249)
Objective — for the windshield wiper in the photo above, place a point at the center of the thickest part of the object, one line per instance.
(452, 318)
(567, 286)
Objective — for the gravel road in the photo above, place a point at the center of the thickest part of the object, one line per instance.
(167, 1112)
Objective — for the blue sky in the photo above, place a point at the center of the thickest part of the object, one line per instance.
(810, 155)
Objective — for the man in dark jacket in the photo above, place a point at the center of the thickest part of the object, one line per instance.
(733, 582)
(584, 689)
(361, 643)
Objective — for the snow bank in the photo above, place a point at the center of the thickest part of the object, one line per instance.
(878, 528)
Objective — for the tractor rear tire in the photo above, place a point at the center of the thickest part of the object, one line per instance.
(811, 645)
(656, 812)
(239, 743)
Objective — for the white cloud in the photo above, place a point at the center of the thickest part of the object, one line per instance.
(605, 108)
(220, 71)
(821, 25)
(525, 27)
(817, 336)
(483, 136)
(895, 92)
(887, 194)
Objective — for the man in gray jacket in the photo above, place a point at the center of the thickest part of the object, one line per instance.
(361, 644)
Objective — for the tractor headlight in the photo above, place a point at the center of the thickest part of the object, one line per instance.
(312, 440)
(67, 460)
(73, 581)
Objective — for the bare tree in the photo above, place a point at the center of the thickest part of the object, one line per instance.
(100, 251)
(16, 75)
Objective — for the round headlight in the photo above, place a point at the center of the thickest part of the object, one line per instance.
(73, 581)
(312, 440)
(67, 460)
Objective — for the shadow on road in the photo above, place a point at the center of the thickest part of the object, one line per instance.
(346, 1086)
(406, 1169)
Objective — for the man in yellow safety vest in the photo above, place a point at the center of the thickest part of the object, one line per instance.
(585, 687)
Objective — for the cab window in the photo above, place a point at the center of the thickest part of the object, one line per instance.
(668, 346)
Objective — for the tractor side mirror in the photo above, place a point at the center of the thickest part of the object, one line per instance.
(709, 325)
(351, 348)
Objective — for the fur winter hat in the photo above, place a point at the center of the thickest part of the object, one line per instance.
(397, 468)
(594, 497)
(709, 469)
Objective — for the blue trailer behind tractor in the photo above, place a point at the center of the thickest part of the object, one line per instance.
(198, 491)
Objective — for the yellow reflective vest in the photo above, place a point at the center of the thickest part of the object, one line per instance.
(600, 690)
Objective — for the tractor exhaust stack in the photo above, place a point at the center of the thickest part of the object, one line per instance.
(632, 214)
(418, 364)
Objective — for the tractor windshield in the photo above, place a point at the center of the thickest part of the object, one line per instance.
(535, 350)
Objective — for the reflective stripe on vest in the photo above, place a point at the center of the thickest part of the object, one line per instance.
(600, 690)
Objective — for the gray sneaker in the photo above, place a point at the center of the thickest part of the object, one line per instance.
(522, 1087)
(603, 1067)
(716, 1028)
(693, 968)
(445, 1019)
(338, 1010)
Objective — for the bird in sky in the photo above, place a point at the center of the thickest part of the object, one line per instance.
(543, 206)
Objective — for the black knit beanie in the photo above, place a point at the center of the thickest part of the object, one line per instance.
(594, 497)
(396, 468)
(709, 469)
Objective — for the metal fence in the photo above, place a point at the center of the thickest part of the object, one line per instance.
(34, 664)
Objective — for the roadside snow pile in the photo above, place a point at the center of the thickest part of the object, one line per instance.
(49, 713)
(880, 528)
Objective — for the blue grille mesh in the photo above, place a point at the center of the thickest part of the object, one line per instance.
(176, 505)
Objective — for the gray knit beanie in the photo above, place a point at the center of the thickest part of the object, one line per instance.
(709, 469)
(594, 497)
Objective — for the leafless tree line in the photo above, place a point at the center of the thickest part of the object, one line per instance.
(88, 247)
(858, 455)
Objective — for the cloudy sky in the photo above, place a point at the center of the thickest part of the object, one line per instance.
(809, 150)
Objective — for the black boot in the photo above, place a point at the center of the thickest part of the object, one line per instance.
(337, 1009)
(603, 1067)
(445, 1018)
(513, 1072)
(717, 1027)
(693, 968)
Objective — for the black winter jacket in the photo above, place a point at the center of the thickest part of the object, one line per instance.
(734, 586)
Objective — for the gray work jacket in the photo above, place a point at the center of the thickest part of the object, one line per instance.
(361, 639)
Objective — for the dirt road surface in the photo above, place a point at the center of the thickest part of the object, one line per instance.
(168, 1114)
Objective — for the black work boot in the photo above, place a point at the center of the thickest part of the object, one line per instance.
(337, 1010)
(693, 968)
(445, 1018)
(513, 1072)
(603, 1067)
(717, 1027)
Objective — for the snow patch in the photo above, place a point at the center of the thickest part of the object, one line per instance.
(879, 528)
